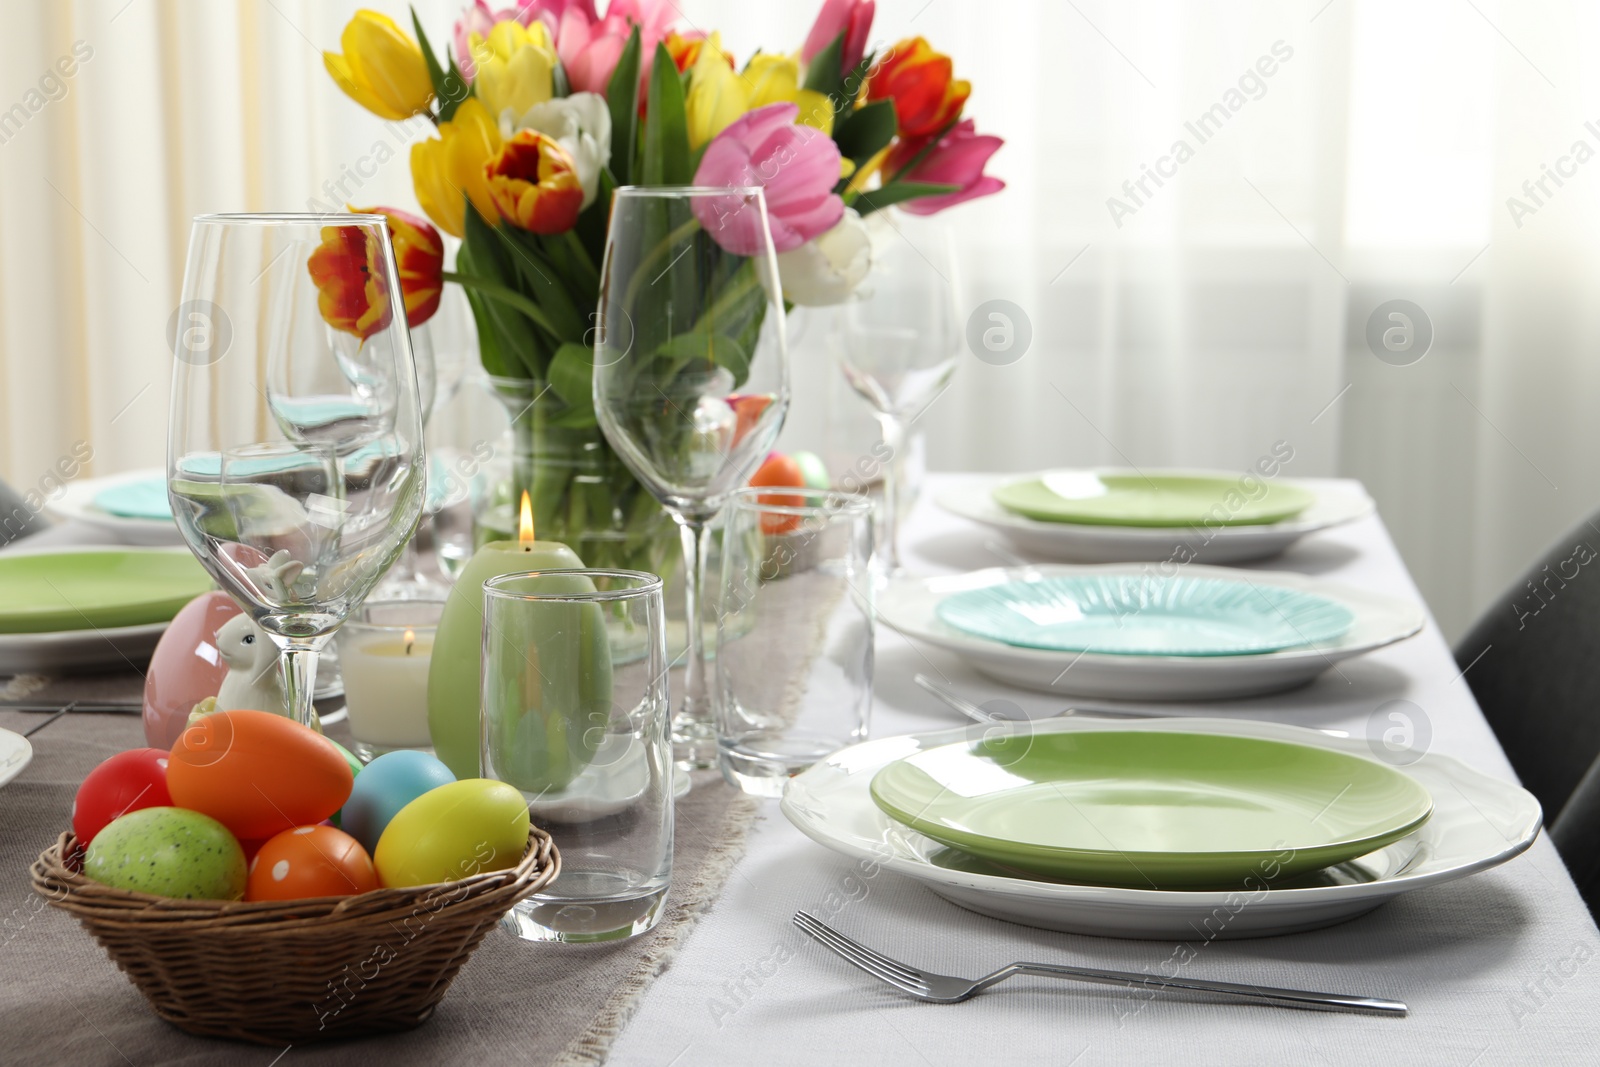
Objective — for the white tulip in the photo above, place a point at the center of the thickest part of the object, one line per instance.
(826, 269)
(580, 123)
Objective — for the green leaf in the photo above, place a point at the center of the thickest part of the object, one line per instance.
(494, 361)
(572, 376)
(666, 126)
(517, 334)
(543, 283)
(856, 80)
(700, 346)
(863, 133)
(826, 72)
(436, 75)
(622, 97)
(897, 192)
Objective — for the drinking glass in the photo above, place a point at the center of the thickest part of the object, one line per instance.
(385, 649)
(575, 713)
(794, 634)
(691, 377)
(294, 448)
(901, 341)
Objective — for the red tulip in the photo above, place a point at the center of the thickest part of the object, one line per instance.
(535, 183)
(419, 256)
(957, 159)
(351, 280)
(853, 18)
(919, 81)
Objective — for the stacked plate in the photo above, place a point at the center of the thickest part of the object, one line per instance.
(1153, 829)
(130, 508)
(1131, 632)
(78, 607)
(1185, 516)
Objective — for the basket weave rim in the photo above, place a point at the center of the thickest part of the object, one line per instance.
(56, 879)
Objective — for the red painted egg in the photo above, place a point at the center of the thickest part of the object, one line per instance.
(126, 782)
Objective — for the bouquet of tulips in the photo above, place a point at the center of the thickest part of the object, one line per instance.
(544, 109)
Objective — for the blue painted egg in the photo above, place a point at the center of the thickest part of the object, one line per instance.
(383, 787)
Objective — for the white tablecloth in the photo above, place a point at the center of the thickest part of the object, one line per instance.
(1486, 964)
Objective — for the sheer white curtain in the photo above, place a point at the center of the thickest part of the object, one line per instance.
(1340, 155)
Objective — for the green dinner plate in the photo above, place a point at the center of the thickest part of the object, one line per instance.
(1152, 809)
(1155, 500)
(95, 588)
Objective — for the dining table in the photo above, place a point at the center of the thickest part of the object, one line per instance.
(1496, 968)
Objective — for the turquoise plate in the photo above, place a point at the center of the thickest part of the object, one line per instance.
(142, 499)
(1146, 615)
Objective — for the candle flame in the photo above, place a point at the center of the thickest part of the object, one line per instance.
(525, 527)
(410, 639)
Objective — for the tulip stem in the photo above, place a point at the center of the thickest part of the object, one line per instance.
(585, 261)
(505, 296)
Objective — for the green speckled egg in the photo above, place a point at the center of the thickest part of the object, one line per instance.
(168, 852)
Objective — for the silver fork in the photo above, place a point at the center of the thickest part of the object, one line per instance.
(948, 989)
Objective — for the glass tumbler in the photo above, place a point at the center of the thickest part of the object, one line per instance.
(575, 716)
(385, 649)
(794, 633)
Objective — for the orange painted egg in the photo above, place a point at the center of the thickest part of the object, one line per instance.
(779, 470)
(257, 773)
(310, 861)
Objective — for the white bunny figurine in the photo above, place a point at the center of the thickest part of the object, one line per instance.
(252, 680)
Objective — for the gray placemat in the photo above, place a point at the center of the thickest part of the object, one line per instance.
(63, 1001)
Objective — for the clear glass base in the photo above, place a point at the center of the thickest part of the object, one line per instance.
(762, 764)
(591, 906)
(366, 753)
(694, 743)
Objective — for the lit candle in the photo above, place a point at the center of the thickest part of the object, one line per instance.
(455, 678)
(386, 684)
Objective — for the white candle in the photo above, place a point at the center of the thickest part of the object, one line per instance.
(386, 687)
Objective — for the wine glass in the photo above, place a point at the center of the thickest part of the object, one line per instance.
(294, 450)
(901, 341)
(442, 347)
(691, 380)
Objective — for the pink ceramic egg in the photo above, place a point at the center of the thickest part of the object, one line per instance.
(186, 667)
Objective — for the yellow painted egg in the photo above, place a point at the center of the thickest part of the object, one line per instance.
(460, 829)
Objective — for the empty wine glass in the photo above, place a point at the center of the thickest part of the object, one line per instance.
(294, 450)
(691, 376)
(901, 341)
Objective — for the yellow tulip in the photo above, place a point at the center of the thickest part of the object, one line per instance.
(447, 170)
(516, 66)
(774, 79)
(382, 68)
(717, 95)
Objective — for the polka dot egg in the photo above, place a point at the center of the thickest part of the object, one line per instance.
(310, 861)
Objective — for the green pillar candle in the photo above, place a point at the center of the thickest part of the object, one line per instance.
(455, 675)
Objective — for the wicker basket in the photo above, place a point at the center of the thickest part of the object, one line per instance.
(299, 970)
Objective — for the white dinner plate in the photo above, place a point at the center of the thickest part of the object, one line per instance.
(1478, 822)
(1083, 543)
(76, 504)
(15, 754)
(910, 607)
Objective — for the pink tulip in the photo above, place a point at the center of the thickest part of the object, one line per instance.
(589, 46)
(853, 18)
(797, 166)
(958, 159)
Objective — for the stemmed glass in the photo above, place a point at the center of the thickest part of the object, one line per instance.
(691, 378)
(440, 347)
(294, 449)
(901, 342)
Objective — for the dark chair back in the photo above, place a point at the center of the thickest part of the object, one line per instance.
(1576, 835)
(17, 518)
(1533, 662)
